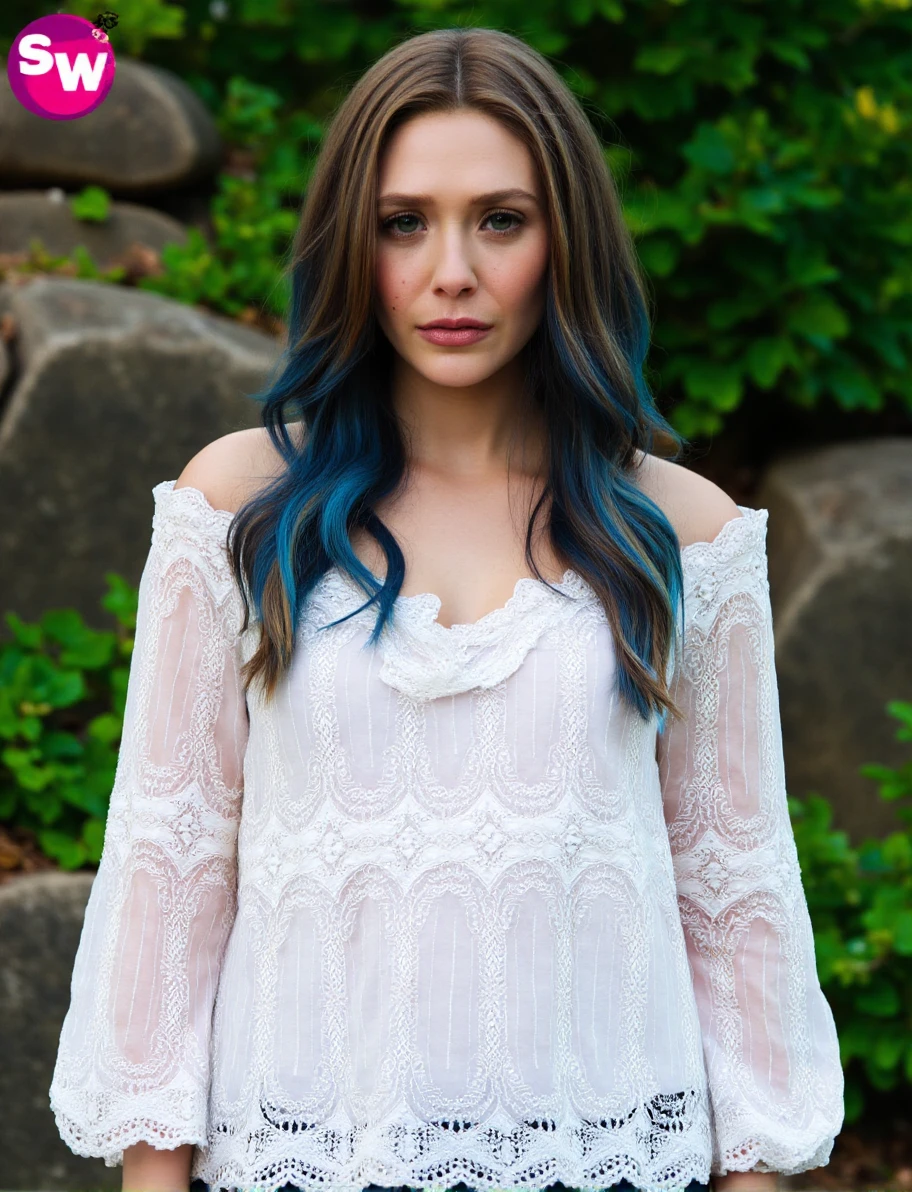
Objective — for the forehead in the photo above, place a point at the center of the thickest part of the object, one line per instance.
(465, 152)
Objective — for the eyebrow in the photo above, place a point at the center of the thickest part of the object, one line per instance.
(494, 196)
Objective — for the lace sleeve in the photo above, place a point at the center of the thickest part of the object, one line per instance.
(769, 1038)
(133, 1057)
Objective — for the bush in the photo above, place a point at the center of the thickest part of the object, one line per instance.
(764, 163)
(62, 696)
(860, 901)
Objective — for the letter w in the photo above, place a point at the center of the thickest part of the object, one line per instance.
(71, 75)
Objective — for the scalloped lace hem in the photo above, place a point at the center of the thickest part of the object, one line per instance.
(109, 1140)
(772, 1156)
(660, 1144)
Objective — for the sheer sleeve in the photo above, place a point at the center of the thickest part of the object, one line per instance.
(769, 1039)
(133, 1057)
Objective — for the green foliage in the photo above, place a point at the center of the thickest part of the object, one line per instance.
(79, 264)
(254, 214)
(763, 153)
(92, 204)
(139, 21)
(62, 695)
(860, 901)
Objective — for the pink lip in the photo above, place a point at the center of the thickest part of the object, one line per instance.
(453, 336)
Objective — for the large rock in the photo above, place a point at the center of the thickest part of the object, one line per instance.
(840, 567)
(151, 133)
(115, 390)
(45, 215)
(41, 917)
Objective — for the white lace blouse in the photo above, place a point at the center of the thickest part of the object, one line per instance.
(448, 910)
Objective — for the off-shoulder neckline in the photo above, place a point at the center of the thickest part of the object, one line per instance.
(746, 523)
(733, 534)
(196, 497)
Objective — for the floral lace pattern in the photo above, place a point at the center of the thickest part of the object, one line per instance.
(447, 910)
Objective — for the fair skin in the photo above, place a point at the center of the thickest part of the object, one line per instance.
(461, 519)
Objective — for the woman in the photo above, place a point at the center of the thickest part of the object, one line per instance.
(482, 916)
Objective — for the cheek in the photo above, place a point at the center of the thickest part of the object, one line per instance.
(393, 284)
(519, 283)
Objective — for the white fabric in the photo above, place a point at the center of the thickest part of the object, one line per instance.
(448, 911)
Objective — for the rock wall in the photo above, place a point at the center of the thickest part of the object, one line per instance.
(840, 569)
(105, 390)
(113, 390)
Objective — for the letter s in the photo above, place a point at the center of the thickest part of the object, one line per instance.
(41, 60)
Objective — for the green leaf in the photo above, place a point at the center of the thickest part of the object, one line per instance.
(902, 937)
(106, 728)
(854, 389)
(883, 1079)
(788, 53)
(884, 337)
(710, 150)
(658, 255)
(660, 59)
(19, 760)
(817, 314)
(881, 999)
(26, 634)
(69, 853)
(611, 10)
(92, 652)
(93, 838)
(722, 384)
(808, 266)
(731, 311)
(65, 688)
(768, 356)
(91, 205)
(29, 728)
(64, 625)
(61, 746)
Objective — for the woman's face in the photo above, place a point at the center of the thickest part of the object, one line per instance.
(452, 244)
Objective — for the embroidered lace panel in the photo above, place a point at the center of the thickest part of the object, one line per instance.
(447, 910)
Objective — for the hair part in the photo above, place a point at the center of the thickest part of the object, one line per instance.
(584, 369)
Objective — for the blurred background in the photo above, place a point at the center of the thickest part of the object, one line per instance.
(763, 151)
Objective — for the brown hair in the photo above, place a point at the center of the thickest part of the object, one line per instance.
(585, 363)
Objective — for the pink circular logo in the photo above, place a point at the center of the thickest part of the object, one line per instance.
(61, 67)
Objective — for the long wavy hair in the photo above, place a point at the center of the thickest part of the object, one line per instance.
(583, 367)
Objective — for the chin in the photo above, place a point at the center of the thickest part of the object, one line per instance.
(458, 377)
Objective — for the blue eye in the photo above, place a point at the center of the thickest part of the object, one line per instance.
(391, 220)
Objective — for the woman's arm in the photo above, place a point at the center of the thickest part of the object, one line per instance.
(745, 1181)
(774, 1074)
(146, 1169)
(133, 1060)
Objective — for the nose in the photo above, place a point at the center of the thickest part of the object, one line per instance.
(453, 268)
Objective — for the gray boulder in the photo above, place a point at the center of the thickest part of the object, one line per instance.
(151, 133)
(115, 389)
(41, 917)
(840, 568)
(45, 215)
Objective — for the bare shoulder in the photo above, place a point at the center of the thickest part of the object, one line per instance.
(696, 507)
(230, 470)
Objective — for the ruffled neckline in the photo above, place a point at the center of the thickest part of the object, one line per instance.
(425, 606)
(426, 660)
